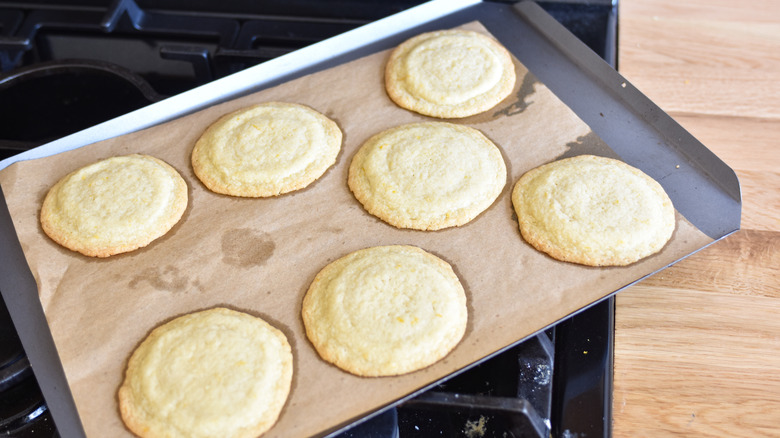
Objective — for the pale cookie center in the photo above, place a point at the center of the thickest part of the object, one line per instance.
(210, 376)
(396, 303)
(265, 147)
(598, 206)
(448, 172)
(115, 202)
(452, 70)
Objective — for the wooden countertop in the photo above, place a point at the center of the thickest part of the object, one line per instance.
(697, 346)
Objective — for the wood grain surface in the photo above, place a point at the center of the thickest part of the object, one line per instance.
(697, 346)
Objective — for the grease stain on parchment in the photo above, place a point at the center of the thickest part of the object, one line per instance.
(246, 248)
(168, 278)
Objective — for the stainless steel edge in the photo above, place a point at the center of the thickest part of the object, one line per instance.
(20, 294)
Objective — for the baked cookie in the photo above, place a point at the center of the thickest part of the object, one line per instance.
(385, 311)
(449, 73)
(266, 150)
(593, 211)
(115, 205)
(216, 372)
(427, 176)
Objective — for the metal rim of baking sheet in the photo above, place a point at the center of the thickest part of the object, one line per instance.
(703, 188)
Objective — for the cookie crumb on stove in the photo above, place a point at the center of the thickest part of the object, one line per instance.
(476, 429)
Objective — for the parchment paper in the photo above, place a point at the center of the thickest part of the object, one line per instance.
(260, 255)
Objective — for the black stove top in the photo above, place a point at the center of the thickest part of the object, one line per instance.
(68, 57)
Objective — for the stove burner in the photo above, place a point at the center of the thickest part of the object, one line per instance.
(23, 411)
(21, 405)
(49, 100)
(176, 46)
(14, 366)
(508, 395)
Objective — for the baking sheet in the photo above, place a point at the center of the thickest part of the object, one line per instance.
(258, 242)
